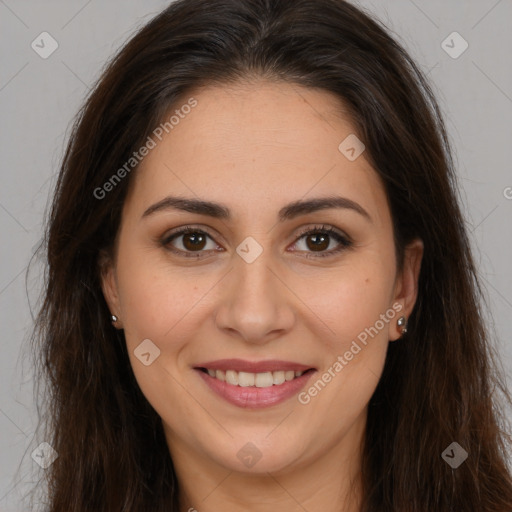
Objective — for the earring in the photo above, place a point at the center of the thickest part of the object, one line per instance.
(402, 322)
(114, 318)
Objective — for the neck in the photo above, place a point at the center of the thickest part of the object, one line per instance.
(328, 481)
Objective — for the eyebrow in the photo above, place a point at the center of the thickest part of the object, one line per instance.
(288, 212)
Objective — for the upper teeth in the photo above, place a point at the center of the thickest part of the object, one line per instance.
(260, 380)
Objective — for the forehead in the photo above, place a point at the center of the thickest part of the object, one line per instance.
(256, 143)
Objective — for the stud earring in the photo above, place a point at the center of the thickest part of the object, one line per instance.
(402, 322)
(114, 318)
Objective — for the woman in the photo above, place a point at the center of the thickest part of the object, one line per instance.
(257, 198)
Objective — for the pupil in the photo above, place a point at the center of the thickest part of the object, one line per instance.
(199, 239)
(318, 244)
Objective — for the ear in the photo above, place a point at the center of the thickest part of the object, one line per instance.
(109, 287)
(406, 287)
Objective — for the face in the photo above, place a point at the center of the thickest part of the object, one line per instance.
(277, 287)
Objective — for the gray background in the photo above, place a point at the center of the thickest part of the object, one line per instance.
(39, 97)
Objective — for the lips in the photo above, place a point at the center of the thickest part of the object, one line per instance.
(241, 365)
(261, 392)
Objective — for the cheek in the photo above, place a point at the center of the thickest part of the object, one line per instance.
(154, 300)
(348, 301)
(358, 313)
(154, 294)
(355, 305)
(157, 299)
(157, 306)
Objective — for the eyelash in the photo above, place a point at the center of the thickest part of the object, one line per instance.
(343, 240)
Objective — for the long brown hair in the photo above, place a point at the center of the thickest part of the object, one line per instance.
(439, 383)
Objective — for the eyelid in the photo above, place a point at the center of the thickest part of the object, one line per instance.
(322, 227)
(182, 230)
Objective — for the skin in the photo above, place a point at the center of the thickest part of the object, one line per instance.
(255, 147)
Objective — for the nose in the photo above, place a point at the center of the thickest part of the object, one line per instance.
(256, 304)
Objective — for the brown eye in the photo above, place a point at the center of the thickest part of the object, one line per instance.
(317, 242)
(189, 242)
(318, 239)
(194, 241)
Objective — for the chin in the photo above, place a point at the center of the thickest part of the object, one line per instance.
(257, 454)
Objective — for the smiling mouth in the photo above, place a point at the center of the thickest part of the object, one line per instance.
(258, 380)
